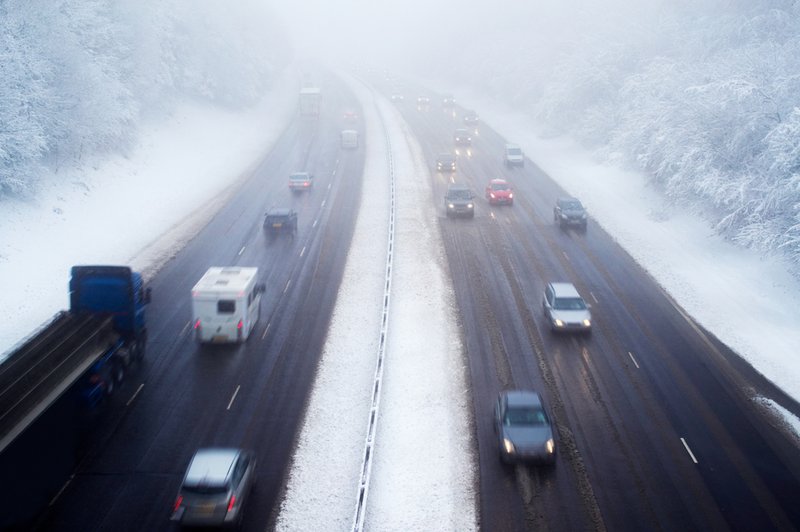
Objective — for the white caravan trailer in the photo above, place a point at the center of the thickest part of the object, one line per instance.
(226, 303)
(310, 99)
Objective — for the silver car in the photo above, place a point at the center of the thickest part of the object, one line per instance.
(523, 428)
(215, 488)
(565, 309)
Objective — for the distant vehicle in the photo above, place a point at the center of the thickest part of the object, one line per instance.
(423, 100)
(215, 488)
(280, 220)
(462, 137)
(565, 309)
(459, 201)
(523, 428)
(448, 100)
(350, 115)
(300, 181)
(499, 192)
(310, 101)
(471, 118)
(513, 156)
(349, 139)
(226, 304)
(446, 162)
(397, 97)
(569, 212)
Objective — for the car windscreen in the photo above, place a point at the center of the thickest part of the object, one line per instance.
(569, 303)
(514, 151)
(459, 194)
(530, 416)
(572, 206)
(204, 489)
(500, 186)
(226, 306)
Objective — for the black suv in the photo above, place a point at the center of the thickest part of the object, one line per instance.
(280, 221)
(459, 201)
(569, 212)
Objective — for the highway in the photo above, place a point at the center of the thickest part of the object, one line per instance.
(185, 396)
(656, 426)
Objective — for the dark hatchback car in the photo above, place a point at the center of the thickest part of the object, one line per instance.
(569, 212)
(462, 137)
(215, 488)
(279, 221)
(523, 428)
(459, 201)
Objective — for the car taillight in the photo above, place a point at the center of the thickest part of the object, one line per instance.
(233, 501)
(178, 502)
(240, 325)
(197, 324)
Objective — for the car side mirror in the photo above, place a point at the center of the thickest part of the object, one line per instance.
(261, 288)
(146, 297)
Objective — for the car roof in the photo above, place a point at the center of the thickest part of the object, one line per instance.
(522, 398)
(446, 156)
(304, 174)
(462, 130)
(279, 211)
(498, 181)
(562, 289)
(509, 145)
(211, 466)
(457, 186)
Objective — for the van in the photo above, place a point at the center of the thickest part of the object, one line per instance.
(226, 304)
(513, 156)
(349, 138)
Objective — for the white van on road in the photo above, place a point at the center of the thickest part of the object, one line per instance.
(226, 304)
(349, 138)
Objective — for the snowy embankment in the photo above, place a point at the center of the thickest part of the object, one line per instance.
(422, 474)
(746, 300)
(108, 211)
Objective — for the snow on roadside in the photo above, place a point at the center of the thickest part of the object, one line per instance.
(324, 476)
(424, 476)
(742, 298)
(113, 210)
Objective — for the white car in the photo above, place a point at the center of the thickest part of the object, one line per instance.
(565, 309)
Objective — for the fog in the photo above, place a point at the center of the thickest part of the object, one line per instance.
(699, 96)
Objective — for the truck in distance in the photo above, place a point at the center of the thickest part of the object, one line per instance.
(349, 138)
(226, 304)
(310, 101)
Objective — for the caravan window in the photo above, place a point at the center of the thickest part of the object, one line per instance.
(226, 306)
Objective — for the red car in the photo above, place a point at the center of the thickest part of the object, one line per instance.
(499, 192)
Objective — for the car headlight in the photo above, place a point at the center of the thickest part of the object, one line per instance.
(450, 206)
(470, 205)
(508, 446)
(510, 195)
(558, 323)
(587, 323)
(491, 194)
(550, 445)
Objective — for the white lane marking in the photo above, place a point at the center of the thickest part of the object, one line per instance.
(314, 224)
(491, 215)
(54, 499)
(633, 359)
(235, 393)
(689, 450)
(241, 250)
(139, 389)
(323, 203)
(565, 255)
(303, 251)
(183, 331)
(329, 184)
(593, 297)
(266, 330)
(288, 283)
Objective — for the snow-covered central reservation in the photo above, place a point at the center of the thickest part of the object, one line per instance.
(206, 152)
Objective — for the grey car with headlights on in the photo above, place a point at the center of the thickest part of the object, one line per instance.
(523, 428)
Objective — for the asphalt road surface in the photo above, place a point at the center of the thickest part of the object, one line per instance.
(656, 426)
(185, 395)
